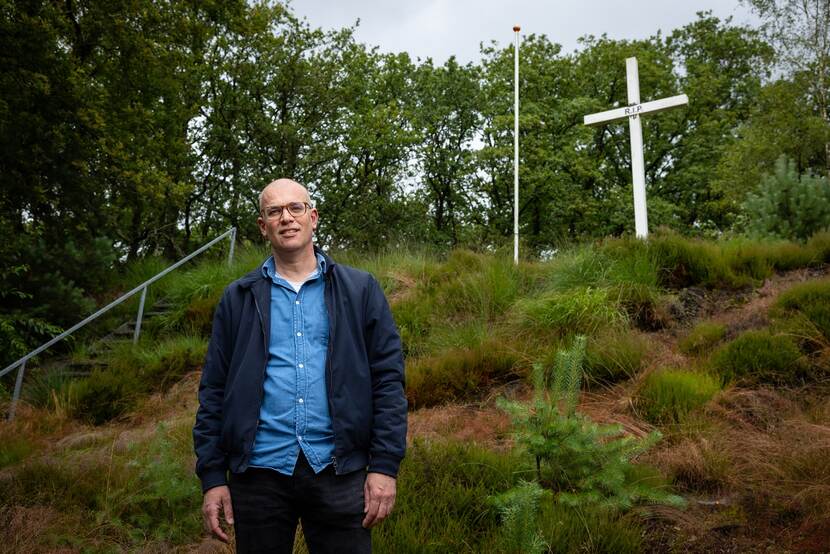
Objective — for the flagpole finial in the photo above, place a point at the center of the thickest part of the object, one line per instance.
(516, 28)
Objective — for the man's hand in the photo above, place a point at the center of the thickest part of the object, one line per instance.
(217, 499)
(378, 498)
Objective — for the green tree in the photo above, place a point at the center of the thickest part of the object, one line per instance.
(782, 122)
(722, 68)
(363, 189)
(445, 115)
(787, 205)
(800, 30)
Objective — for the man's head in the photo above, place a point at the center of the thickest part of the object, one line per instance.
(286, 217)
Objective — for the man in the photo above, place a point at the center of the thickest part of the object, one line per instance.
(302, 414)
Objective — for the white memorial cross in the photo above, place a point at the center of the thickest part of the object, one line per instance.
(633, 112)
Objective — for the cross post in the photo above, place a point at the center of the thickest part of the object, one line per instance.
(633, 112)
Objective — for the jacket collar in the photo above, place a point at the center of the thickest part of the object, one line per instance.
(250, 279)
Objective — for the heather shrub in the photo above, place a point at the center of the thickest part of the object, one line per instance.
(669, 395)
(760, 357)
(811, 299)
(702, 338)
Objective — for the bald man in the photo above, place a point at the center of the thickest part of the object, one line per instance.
(302, 413)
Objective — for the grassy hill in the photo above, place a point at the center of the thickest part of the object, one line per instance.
(723, 348)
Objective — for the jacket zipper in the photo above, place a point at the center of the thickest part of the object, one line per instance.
(330, 305)
(265, 366)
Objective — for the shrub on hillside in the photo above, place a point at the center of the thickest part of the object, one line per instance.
(132, 372)
(614, 356)
(668, 396)
(577, 311)
(787, 205)
(702, 338)
(458, 373)
(760, 356)
(684, 262)
(811, 299)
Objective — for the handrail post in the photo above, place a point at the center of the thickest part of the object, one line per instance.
(140, 315)
(232, 238)
(17, 386)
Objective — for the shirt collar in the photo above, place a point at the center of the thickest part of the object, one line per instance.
(269, 268)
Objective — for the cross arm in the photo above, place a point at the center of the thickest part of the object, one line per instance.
(637, 109)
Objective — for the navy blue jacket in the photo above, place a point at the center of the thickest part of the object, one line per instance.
(364, 377)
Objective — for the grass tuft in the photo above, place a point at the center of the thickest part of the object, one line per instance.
(459, 373)
(670, 395)
(811, 299)
(702, 338)
(582, 311)
(614, 356)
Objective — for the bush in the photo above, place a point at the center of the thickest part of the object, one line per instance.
(130, 373)
(686, 262)
(702, 338)
(577, 311)
(811, 299)
(614, 356)
(760, 356)
(668, 396)
(458, 373)
(442, 503)
(787, 205)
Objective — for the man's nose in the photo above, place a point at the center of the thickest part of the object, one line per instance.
(286, 216)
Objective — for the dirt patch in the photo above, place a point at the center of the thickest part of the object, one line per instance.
(748, 309)
(486, 426)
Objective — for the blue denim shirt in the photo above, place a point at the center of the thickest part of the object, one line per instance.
(295, 412)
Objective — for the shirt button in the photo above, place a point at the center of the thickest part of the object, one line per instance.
(300, 366)
(296, 301)
(299, 437)
(299, 334)
(300, 400)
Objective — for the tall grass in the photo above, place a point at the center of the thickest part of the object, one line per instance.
(133, 372)
(139, 496)
(584, 310)
(443, 505)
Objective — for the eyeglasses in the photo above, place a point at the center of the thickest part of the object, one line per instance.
(296, 209)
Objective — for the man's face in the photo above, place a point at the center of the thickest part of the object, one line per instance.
(286, 233)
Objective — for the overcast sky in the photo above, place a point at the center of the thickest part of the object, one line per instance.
(441, 28)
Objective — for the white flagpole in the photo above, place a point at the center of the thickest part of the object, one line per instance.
(516, 29)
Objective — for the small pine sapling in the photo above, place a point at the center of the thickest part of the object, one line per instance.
(583, 463)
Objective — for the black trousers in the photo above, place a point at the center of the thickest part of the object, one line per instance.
(268, 504)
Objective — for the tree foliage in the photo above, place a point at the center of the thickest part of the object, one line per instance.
(143, 128)
(788, 205)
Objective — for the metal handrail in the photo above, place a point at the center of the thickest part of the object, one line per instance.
(21, 363)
